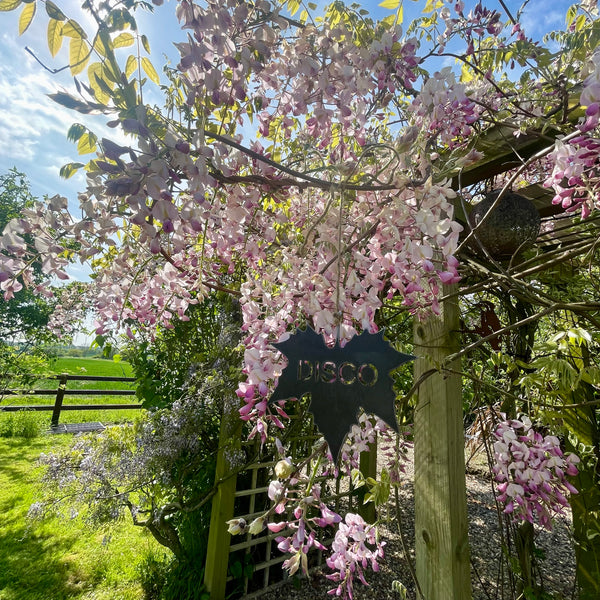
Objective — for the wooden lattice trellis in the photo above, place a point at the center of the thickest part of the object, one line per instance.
(257, 559)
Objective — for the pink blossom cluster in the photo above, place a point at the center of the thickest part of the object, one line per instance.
(391, 448)
(321, 73)
(398, 259)
(444, 109)
(296, 498)
(185, 212)
(302, 535)
(16, 255)
(354, 548)
(531, 472)
(190, 216)
(590, 95)
(575, 176)
(298, 512)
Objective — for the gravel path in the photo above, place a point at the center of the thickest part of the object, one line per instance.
(488, 572)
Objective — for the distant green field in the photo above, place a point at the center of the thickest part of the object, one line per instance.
(91, 366)
(76, 366)
(60, 559)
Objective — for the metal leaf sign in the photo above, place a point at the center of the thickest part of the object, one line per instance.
(340, 380)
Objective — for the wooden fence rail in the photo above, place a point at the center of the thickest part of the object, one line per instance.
(62, 391)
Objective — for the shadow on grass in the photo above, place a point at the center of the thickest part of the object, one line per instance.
(34, 556)
(31, 561)
(18, 458)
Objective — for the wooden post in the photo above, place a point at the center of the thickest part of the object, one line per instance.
(219, 539)
(368, 468)
(442, 544)
(60, 395)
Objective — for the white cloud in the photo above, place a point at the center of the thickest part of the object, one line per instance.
(33, 128)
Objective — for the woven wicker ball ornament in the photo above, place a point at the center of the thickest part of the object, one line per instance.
(513, 225)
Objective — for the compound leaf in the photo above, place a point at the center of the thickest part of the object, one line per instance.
(26, 17)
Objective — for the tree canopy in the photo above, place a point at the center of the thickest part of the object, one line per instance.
(25, 317)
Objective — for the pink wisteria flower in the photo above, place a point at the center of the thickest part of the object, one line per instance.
(574, 177)
(392, 448)
(355, 547)
(531, 471)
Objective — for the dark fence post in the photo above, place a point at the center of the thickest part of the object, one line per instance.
(60, 394)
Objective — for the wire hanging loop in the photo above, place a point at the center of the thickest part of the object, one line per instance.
(339, 315)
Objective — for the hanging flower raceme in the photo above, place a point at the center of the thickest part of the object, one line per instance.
(402, 242)
(531, 472)
(575, 177)
(355, 548)
(443, 109)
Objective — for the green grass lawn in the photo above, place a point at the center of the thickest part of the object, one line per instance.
(59, 559)
(92, 366)
(76, 366)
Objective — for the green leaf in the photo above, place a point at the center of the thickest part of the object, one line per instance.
(78, 55)
(87, 143)
(70, 169)
(432, 5)
(146, 44)
(120, 19)
(64, 99)
(150, 71)
(99, 45)
(55, 37)
(98, 342)
(123, 40)
(293, 6)
(571, 14)
(581, 22)
(399, 589)
(75, 132)
(73, 30)
(131, 66)
(102, 91)
(391, 4)
(26, 17)
(358, 479)
(54, 12)
(6, 5)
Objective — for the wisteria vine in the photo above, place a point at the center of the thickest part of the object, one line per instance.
(308, 171)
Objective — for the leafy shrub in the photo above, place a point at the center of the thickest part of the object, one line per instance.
(19, 365)
(153, 571)
(160, 469)
(200, 350)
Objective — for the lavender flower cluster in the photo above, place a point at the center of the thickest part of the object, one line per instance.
(355, 546)
(531, 471)
(140, 468)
